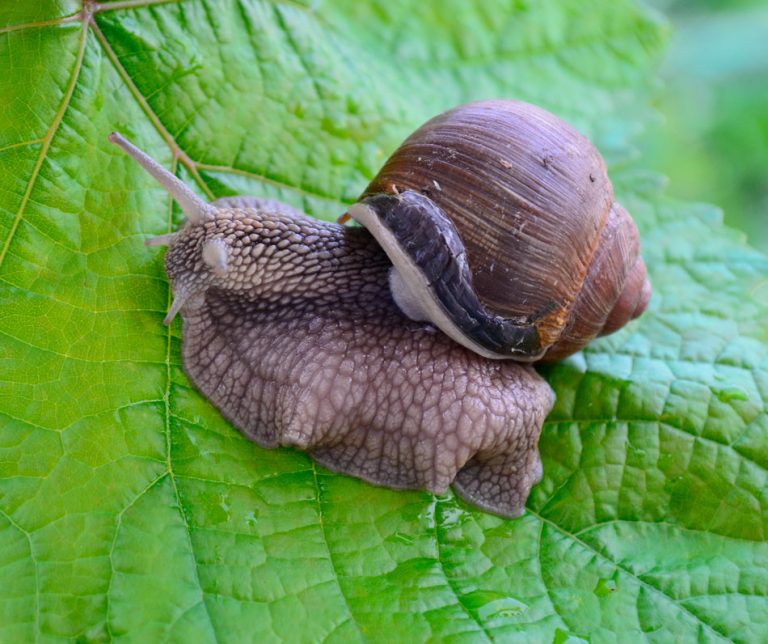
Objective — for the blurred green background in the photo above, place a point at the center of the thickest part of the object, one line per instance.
(713, 140)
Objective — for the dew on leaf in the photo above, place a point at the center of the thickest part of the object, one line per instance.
(732, 393)
(605, 587)
(404, 538)
(491, 605)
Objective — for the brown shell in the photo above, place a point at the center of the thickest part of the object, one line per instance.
(531, 199)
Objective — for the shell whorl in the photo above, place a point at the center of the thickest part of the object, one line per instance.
(615, 290)
(533, 204)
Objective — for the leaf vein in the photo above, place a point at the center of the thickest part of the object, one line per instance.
(118, 526)
(33, 558)
(714, 631)
(46, 142)
(331, 560)
(449, 580)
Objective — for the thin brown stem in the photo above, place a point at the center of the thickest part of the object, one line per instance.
(43, 23)
(100, 7)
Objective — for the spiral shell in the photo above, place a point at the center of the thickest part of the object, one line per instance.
(532, 204)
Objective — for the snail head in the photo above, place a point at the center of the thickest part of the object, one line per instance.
(199, 253)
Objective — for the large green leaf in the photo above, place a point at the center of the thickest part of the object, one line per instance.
(129, 507)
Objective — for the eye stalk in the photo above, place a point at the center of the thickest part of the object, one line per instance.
(196, 210)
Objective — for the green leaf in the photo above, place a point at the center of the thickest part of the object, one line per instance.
(128, 507)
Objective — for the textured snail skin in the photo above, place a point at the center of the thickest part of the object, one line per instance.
(299, 343)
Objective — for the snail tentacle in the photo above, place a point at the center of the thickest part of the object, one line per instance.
(196, 210)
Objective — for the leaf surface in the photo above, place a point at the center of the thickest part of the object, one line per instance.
(128, 507)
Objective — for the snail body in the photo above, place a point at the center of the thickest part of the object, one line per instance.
(319, 336)
(331, 366)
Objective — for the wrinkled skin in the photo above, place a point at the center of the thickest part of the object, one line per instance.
(299, 343)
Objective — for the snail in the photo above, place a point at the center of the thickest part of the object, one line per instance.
(397, 351)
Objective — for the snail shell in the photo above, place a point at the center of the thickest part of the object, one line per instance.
(501, 224)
